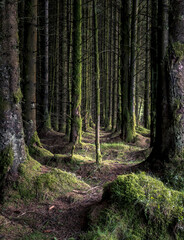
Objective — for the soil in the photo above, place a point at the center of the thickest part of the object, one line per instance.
(66, 217)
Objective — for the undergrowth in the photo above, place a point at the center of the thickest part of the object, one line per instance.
(38, 182)
(139, 208)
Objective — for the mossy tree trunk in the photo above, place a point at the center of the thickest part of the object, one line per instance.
(63, 67)
(76, 129)
(46, 115)
(97, 83)
(138, 66)
(107, 70)
(131, 85)
(69, 40)
(57, 89)
(126, 130)
(110, 58)
(147, 83)
(118, 124)
(169, 144)
(29, 71)
(154, 68)
(115, 69)
(12, 147)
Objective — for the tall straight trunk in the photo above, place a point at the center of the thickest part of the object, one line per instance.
(29, 70)
(146, 90)
(69, 40)
(138, 65)
(115, 71)
(154, 68)
(57, 90)
(46, 117)
(76, 129)
(118, 125)
(169, 144)
(97, 83)
(132, 71)
(104, 65)
(86, 77)
(126, 127)
(110, 76)
(107, 71)
(12, 147)
(63, 67)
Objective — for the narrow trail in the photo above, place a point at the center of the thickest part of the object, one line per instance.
(67, 216)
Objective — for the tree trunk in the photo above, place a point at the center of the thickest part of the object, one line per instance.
(12, 147)
(76, 130)
(169, 144)
(126, 130)
(154, 68)
(47, 119)
(69, 40)
(146, 89)
(30, 55)
(97, 83)
(132, 72)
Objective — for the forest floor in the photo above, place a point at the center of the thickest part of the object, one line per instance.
(66, 216)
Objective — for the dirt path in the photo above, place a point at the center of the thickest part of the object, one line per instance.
(67, 216)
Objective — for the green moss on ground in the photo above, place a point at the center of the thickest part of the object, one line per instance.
(12, 231)
(138, 207)
(40, 182)
(143, 131)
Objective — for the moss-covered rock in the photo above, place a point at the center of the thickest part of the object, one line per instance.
(139, 207)
(41, 182)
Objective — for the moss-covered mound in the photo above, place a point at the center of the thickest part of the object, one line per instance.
(138, 207)
(41, 182)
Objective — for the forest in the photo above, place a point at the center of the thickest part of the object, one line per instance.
(92, 119)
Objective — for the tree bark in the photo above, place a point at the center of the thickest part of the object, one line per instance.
(30, 55)
(76, 129)
(169, 144)
(97, 83)
(126, 130)
(12, 147)
(46, 118)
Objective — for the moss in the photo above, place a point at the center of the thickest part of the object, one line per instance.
(18, 96)
(39, 152)
(35, 140)
(12, 231)
(143, 131)
(40, 182)
(6, 160)
(179, 50)
(58, 182)
(4, 106)
(139, 207)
